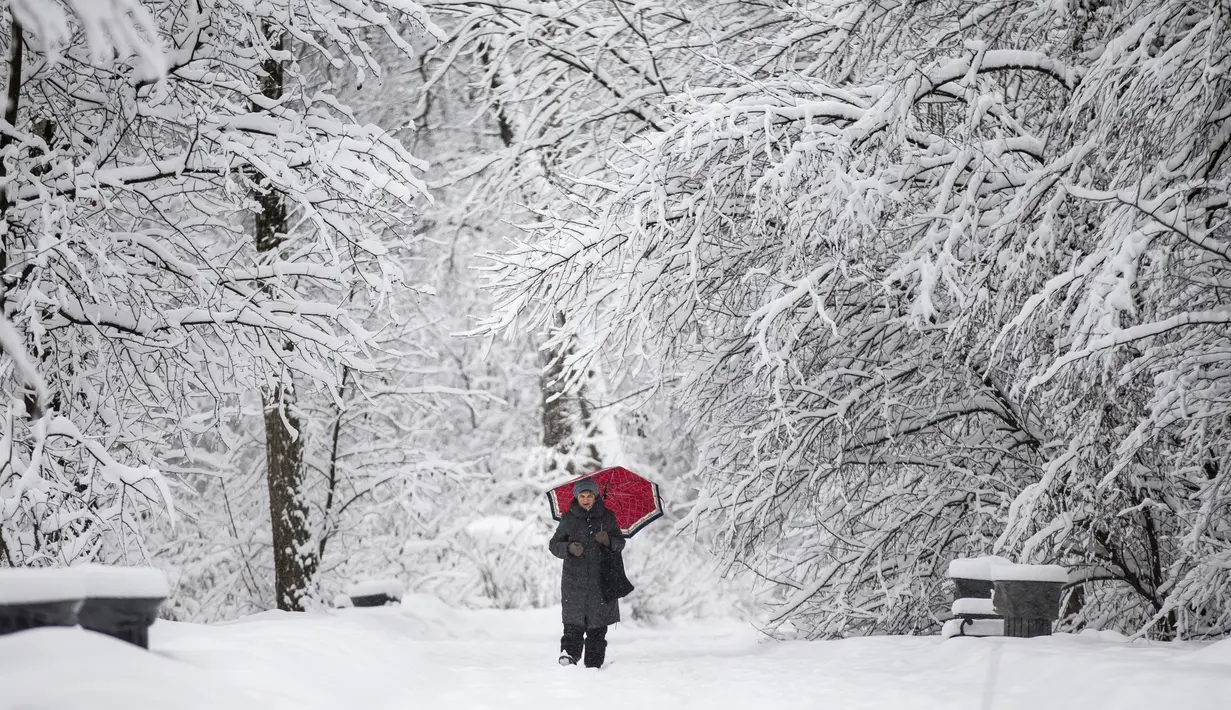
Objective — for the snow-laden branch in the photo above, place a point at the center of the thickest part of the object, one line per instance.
(1124, 336)
(13, 346)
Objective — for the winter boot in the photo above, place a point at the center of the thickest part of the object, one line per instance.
(571, 644)
(596, 648)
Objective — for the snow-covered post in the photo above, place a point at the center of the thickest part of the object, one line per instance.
(30, 598)
(121, 602)
(1028, 597)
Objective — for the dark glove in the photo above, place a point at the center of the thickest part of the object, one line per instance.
(602, 538)
(575, 549)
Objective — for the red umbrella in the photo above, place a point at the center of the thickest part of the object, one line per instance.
(634, 500)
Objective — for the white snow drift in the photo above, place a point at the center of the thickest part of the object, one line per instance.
(426, 655)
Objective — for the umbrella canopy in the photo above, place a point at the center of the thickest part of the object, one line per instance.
(634, 500)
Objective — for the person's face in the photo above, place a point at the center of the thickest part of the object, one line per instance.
(586, 498)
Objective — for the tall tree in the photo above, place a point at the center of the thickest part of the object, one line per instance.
(294, 561)
(134, 288)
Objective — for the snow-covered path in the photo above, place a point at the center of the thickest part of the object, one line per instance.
(427, 656)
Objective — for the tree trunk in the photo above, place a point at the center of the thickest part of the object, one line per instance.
(288, 513)
(11, 102)
(294, 563)
(566, 414)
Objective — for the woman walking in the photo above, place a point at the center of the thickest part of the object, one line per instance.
(587, 532)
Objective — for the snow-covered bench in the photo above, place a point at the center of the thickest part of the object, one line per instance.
(376, 592)
(973, 611)
(118, 601)
(995, 597)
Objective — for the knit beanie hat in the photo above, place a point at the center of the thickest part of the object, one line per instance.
(585, 484)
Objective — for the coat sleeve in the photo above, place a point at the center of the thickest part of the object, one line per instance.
(613, 531)
(559, 542)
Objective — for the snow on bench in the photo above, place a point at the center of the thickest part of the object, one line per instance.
(28, 585)
(992, 568)
(107, 582)
(973, 607)
(388, 587)
(975, 567)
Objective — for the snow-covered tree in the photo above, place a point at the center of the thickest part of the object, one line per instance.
(144, 150)
(935, 278)
(566, 85)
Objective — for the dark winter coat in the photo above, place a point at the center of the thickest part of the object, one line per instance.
(580, 590)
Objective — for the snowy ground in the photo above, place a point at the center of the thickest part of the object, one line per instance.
(425, 655)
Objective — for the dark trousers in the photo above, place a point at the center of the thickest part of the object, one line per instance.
(593, 641)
